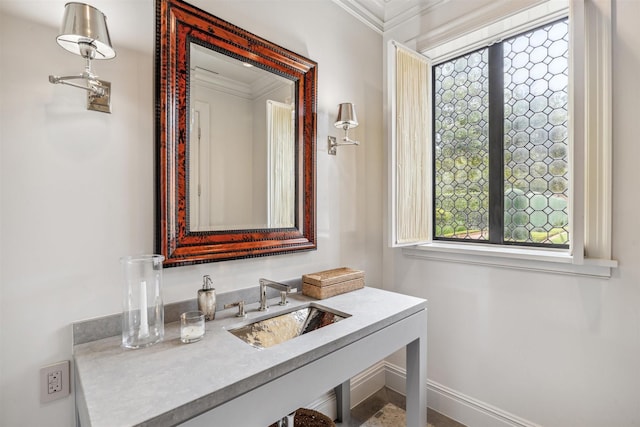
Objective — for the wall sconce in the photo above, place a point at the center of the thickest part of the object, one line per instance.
(346, 120)
(84, 32)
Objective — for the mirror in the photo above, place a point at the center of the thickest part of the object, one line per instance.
(248, 183)
(235, 141)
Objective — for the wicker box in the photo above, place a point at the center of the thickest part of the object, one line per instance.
(325, 284)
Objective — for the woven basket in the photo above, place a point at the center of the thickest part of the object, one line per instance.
(310, 418)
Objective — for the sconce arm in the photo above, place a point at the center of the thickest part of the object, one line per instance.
(93, 84)
(347, 141)
(333, 144)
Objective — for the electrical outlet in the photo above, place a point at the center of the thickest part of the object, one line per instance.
(54, 381)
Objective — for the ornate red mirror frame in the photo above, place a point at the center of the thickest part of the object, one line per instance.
(177, 24)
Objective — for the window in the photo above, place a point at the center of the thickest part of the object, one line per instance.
(540, 198)
(500, 135)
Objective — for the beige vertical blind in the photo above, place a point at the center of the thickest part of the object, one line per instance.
(412, 146)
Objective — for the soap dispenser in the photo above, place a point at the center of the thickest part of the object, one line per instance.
(207, 298)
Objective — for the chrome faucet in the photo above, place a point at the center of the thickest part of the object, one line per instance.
(284, 290)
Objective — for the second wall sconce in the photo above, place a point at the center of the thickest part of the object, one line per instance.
(84, 32)
(346, 120)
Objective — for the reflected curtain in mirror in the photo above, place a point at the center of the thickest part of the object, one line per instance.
(281, 146)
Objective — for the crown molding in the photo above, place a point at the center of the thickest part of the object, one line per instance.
(382, 16)
(362, 14)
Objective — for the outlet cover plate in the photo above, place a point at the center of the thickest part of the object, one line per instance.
(54, 381)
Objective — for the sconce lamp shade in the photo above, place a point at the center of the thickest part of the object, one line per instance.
(84, 32)
(346, 120)
(346, 116)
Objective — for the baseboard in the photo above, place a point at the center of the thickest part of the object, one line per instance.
(470, 411)
(367, 383)
(325, 404)
(455, 405)
(363, 385)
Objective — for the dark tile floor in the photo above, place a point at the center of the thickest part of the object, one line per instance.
(373, 404)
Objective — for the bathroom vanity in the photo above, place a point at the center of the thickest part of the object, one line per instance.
(222, 380)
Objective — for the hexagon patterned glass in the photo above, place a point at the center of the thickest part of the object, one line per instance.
(530, 148)
(462, 148)
(536, 170)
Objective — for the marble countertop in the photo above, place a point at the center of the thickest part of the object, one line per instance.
(171, 382)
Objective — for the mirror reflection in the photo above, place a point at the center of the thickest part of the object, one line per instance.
(241, 145)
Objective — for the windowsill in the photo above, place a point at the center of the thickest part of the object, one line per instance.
(549, 261)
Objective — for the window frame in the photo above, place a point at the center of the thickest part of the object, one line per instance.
(590, 145)
(496, 154)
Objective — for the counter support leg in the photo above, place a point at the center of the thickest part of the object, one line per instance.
(343, 399)
(417, 381)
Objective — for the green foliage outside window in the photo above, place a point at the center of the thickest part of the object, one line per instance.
(535, 147)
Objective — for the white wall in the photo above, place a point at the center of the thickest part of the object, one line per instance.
(76, 193)
(554, 350)
(77, 186)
